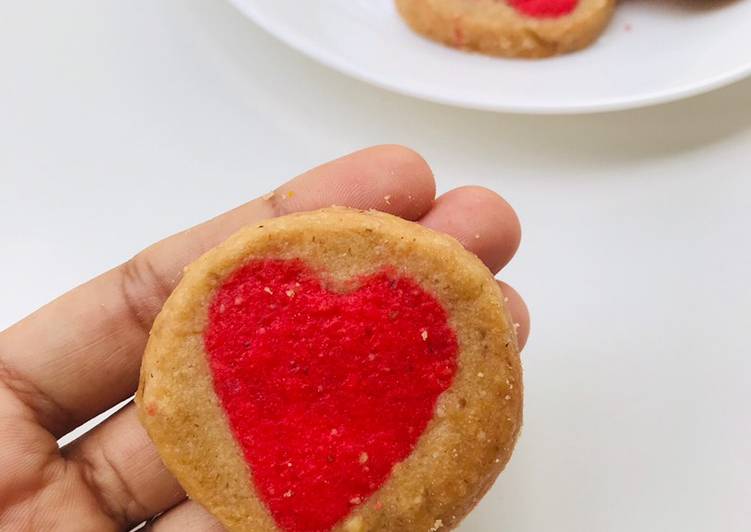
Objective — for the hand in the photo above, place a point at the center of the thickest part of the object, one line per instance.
(80, 354)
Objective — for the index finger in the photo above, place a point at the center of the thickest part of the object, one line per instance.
(80, 354)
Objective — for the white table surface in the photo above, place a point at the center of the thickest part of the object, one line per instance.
(122, 122)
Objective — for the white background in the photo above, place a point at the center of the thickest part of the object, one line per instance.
(122, 122)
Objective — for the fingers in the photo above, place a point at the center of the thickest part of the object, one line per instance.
(80, 354)
(122, 466)
(519, 313)
(481, 220)
(188, 515)
(487, 226)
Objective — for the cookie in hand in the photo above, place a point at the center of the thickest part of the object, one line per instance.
(334, 370)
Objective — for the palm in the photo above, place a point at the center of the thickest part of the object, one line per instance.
(80, 355)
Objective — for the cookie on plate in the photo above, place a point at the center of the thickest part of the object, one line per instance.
(334, 370)
(510, 28)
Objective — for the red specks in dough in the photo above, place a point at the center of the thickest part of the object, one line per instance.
(325, 392)
(458, 32)
(544, 8)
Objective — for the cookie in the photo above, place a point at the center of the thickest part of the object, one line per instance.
(510, 28)
(334, 370)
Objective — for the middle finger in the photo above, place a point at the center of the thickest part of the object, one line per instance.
(481, 220)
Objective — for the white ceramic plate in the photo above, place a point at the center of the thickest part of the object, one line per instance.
(654, 51)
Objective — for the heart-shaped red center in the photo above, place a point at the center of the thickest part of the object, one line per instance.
(325, 392)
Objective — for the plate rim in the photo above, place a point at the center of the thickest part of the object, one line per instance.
(313, 51)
